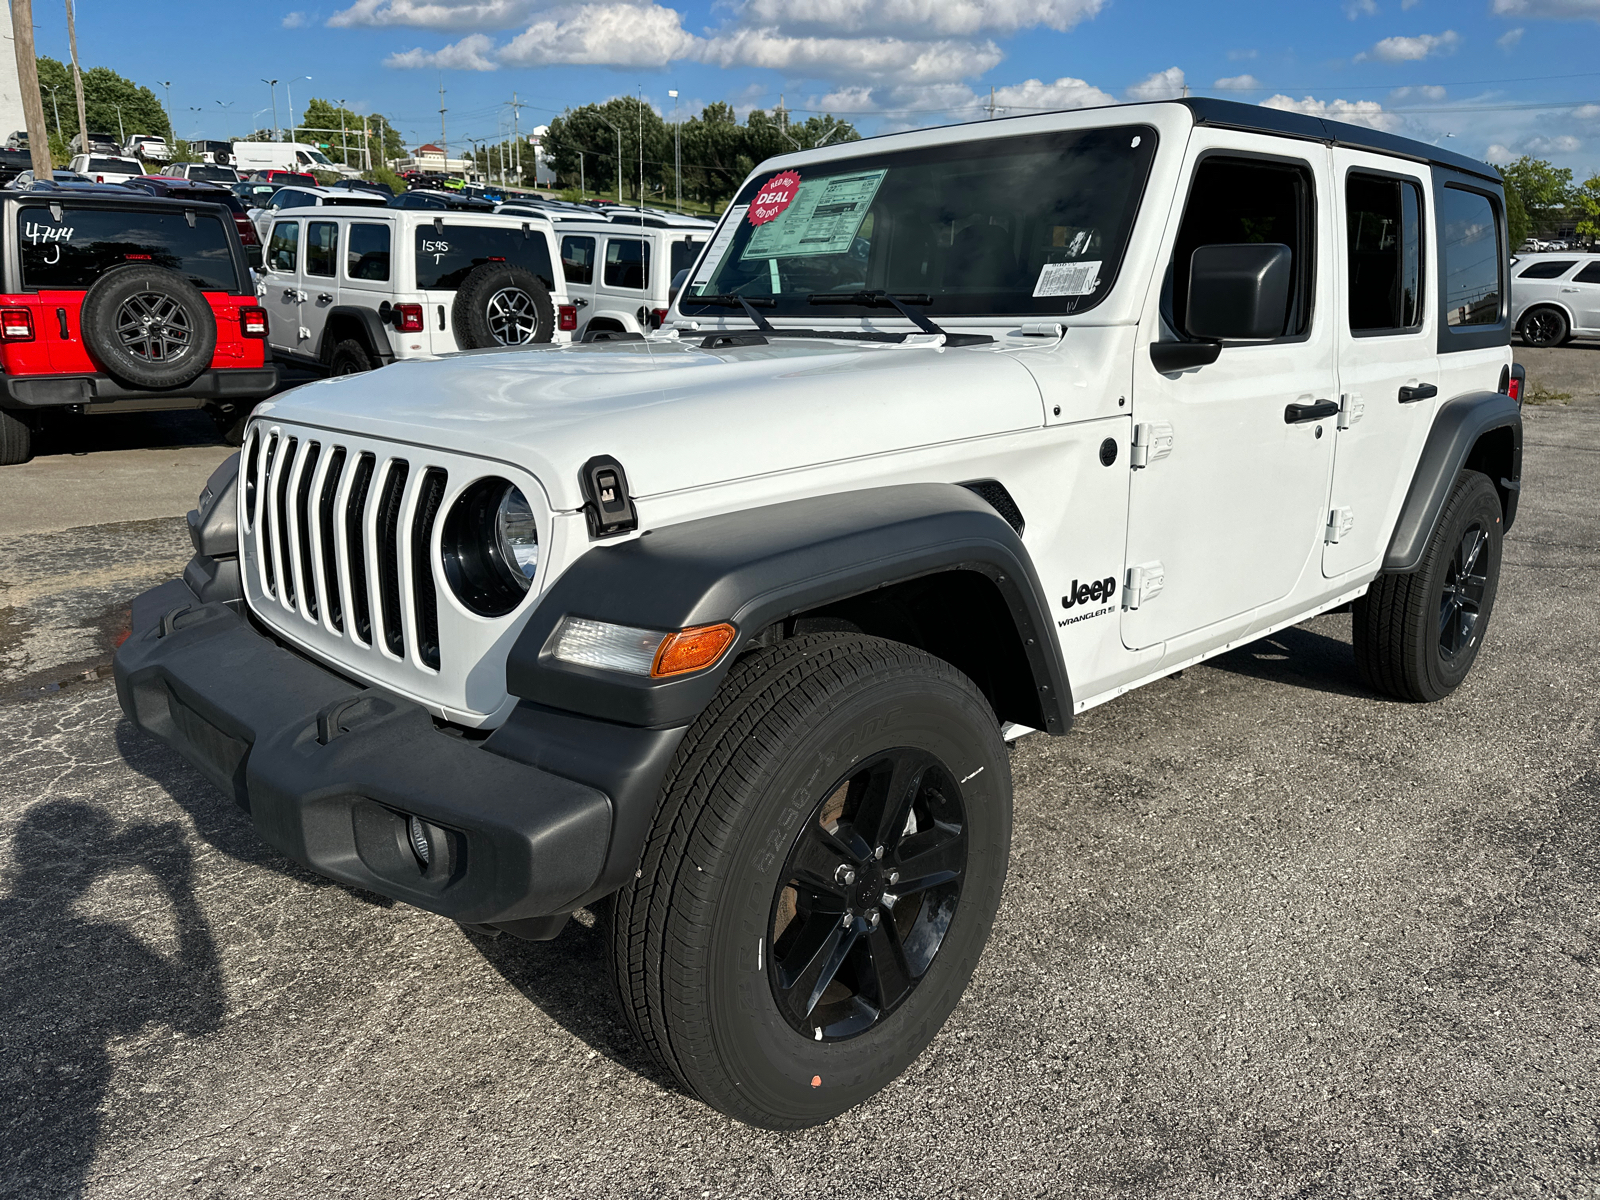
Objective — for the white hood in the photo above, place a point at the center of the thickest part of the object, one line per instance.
(677, 416)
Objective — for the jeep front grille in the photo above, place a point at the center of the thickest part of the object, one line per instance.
(339, 541)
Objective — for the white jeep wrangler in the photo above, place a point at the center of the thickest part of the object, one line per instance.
(954, 434)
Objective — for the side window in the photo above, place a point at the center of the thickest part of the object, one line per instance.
(1383, 219)
(1470, 248)
(281, 249)
(577, 259)
(367, 256)
(1550, 269)
(684, 254)
(322, 248)
(1590, 274)
(627, 263)
(1236, 200)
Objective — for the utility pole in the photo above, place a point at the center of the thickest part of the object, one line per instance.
(991, 102)
(516, 139)
(444, 142)
(77, 85)
(366, 143)
(580, 175)
(677, 152)
(273, 84)
(28, 81)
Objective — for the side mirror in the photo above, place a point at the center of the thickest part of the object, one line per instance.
(1240, 291)
(678, 280)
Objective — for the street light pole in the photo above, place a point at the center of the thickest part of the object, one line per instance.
(288, 90)
(273, 84)
(224, 108)
(55, 104)
(122, 134)
(344, 147)
(77, 82)
(677, 152)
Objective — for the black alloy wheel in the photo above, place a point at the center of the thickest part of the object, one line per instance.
(1544, 327)
(867, 895)
(154, 328)
(1461, 602)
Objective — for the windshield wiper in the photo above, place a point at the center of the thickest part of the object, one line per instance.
(882, 299)
(749, 304)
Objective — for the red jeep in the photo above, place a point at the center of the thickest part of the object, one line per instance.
(124, 305)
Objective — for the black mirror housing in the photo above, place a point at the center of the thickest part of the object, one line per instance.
(1240, 291)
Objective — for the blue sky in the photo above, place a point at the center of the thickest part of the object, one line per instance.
(1503, 77)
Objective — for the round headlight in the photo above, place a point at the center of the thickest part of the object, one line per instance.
(490, 547)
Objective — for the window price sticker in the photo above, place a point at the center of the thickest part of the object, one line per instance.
(1067, 279)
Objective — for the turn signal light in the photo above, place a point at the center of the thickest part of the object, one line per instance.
(691, 649)
(16, 325)
(567, 317)
(253, 322)
(408, 318)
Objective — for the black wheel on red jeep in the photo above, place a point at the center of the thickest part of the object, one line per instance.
(349, 357)
(149, 327)
(501, 305)
(820, 879)
(16, 440)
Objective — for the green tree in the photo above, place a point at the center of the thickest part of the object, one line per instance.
(104, 94)
(328, 118)
(1588, 203)
(1516, 215)
(1546, 190)
(594, 130)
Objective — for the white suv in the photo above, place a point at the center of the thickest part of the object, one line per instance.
(619, 273)
(1555, 297)
(955, 434)
(353, 288)
(103, 168)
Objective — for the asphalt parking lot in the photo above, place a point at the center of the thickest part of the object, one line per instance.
(1265, 934)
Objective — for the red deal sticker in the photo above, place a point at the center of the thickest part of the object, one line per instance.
(776, 195)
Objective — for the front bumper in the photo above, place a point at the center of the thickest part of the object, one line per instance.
(330, 771)
(105, 394)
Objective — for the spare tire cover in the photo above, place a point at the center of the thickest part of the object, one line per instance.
(501, 305)
(148, 327)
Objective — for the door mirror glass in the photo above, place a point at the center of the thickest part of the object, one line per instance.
(1240, 291)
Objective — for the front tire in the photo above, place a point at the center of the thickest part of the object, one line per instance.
(1417, 635)
(763, 955)
(1544, 327)
(16, 440)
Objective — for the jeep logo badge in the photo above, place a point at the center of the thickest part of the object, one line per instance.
(1086, 593)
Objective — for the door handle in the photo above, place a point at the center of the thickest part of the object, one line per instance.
(1423, 391)
(1299, 414)
(1569, 289)
(324, 297)
(580, 302)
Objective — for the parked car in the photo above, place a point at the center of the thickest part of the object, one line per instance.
(115, 301)
(620, 276)
(440, 200)
(217, 153)
(202, 172)
(105, 168)
(1555, 297)
(99, 143)
(353, 288)
(254, 195)
(207, 193)
(364, 185)
(955, 434)
(285, 178)
(148, 147)
(17, 140)
(309, 197)
(59, 175)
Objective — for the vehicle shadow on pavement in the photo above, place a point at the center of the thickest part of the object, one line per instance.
(72, 982)
(1302, 658)
(567, 980)
(216, 817)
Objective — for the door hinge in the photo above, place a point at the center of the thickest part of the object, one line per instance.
(1151, 441)
(1351, 407)
(1144, 583)
(1340, 522)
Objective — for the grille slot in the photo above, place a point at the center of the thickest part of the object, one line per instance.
(263, 517)
(429, 496)
(388, 537)
(283, 468)
(360, 603)
(330, 544)
(307, 576)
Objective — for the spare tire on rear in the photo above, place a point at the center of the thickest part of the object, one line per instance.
(149, 327)
(501, 305)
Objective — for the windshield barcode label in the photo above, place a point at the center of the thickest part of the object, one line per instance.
(1067, 279)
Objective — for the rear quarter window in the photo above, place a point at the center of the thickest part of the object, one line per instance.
(71, 253)
(447, 254)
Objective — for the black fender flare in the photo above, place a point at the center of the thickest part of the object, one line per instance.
(370, 323)
(756, 567)
(1458, 427)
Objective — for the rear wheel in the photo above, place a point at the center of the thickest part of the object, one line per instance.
(501, 305)
(349, 357)
(16, 440)
(1544, 327)
(820, 880)
(149, 327)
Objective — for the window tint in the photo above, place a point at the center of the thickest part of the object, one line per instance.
(281, 249)
(218, 174)
(445, 258)
(1383, 224)
(1471, 251)
(118, 166)
(85, 243)
(1243, 200)
(367, 256)
(684, 254)
(577, 259)
(322, 248)
(627, 263)
(1590, 274)
(1548, 269)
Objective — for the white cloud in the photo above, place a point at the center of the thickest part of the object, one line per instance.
(1357, 112)
(471, 53)
(1563, 143)
(1589, 112)
(434, 14)
(1237, 83)
(1240, 55)
(293, 20)
(1163, 85)
(822, 57)
(1508, 40)
(1360, 8)
(914, 103)
(943, 18)
(1408, 5)
(1412, 49)
(614, 34)
(1497, 153)
(1038, 96)
(1552, 9)
(1425, 91)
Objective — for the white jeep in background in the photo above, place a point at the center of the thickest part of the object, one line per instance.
(356, 286)
(721, 629)
(619, 272)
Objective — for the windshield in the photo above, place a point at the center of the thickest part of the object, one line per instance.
(118, 166)
(1020, 225)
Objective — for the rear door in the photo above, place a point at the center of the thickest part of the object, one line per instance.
(624, 278)
(1388, 351)
(282, 298)
(578, 267)
(1585, 296)
(319, 279)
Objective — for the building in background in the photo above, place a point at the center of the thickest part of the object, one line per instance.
(430, 159)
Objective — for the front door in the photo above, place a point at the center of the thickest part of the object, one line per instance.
(1227, 515)
(282, 299)
(1388, 352)
(1585, 297)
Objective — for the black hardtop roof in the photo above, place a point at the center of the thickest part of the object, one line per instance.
(102, 197)
(1231, 114)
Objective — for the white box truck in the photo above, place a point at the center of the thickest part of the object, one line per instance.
(285, 156)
